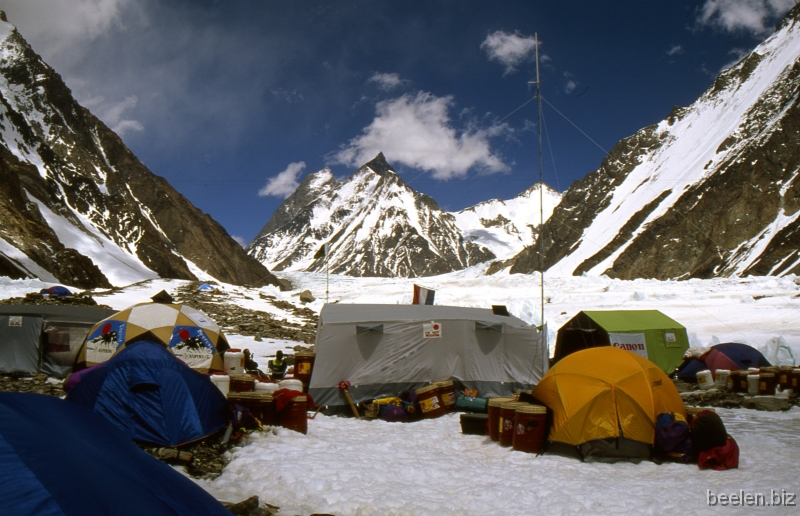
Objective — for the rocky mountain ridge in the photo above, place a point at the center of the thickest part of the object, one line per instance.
(78, 207)
(372, 224)
(710, 191)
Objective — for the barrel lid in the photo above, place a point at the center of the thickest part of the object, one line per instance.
(532, 409)
(427, 388)
(444, 383)
(263, 396)
(496, 402)
(767, 375)
(752, 375)
(233, 350)
(770, 369)
(242, 378)
(513, 404)
(305, 354)
(786, 368)
(301, 399)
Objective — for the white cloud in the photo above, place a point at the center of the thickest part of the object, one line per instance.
(386, 81)
(64, 24)
(675, 50)
(415, 130)
(112, 116)
(239, 240)
(570, 86)
(285, 183)
(754, 16)
(509, 49)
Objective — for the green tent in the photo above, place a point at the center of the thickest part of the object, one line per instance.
(648, 333)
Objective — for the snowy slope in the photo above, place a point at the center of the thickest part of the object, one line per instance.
(507, 227)
(709, 191)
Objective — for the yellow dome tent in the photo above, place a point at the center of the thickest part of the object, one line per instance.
(605, 392)
(188, 333)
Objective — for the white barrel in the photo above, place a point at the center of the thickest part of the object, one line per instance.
(292, 384)
(234, 361)
(222, 381)
(752, 383)
(266, 387)
(705, 380)
(721, 378)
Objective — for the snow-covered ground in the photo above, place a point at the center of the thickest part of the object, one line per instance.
(349, 467)
(354, 467)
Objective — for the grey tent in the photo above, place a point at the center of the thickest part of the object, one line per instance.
(385, 349)
(44, 338)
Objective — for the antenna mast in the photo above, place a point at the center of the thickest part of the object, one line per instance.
(541, 182)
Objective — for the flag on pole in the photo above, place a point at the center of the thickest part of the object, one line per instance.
(423, 296)
(322, 252)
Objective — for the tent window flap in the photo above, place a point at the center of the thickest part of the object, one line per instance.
(364, 328)
(492, 326)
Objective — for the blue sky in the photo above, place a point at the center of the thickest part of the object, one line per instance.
(235, 102)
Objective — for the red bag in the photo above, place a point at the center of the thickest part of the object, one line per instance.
(721, 457)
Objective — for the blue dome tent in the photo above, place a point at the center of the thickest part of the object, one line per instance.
(58, 458)
(152, 396)
(731, 355)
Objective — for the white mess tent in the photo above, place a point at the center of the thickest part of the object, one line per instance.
(385, 349)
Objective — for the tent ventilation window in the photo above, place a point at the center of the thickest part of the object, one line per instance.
(491, 326)
(366, 328)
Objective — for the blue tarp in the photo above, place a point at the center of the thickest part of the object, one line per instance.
(152, 396)
(205, 287)
(58, 458)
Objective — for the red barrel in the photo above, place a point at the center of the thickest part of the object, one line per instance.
(304, 366)
(430, 402)
(738, 381)
(530, 428)
(260, 404)
(766, 383)
(294, 415)
(796, 381)
(785, 377)
(242, 383)
(447, 393)
(506, 425)
(494, 416)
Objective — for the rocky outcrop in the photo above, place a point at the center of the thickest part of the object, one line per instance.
(79, 208)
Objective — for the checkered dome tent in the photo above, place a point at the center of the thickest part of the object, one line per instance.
(188, 333)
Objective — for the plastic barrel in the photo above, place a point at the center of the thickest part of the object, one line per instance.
(752, 383)
(242, 383)
(796, 381)
(269, 387)
(304, 366)
(260, 404)
(506, 424)
(292, 384)
(530, 428)
(447, 393)
(705, 380)
(721, 379)
(494, 416)
(430, 402)
(785, 377)
(766, 383)
(294, 415)
(222, 381)
(234, 361)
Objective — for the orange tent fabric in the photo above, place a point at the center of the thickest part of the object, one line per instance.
(605, 392)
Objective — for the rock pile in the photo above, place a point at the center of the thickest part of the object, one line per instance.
(252, 323)
(35, 298)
